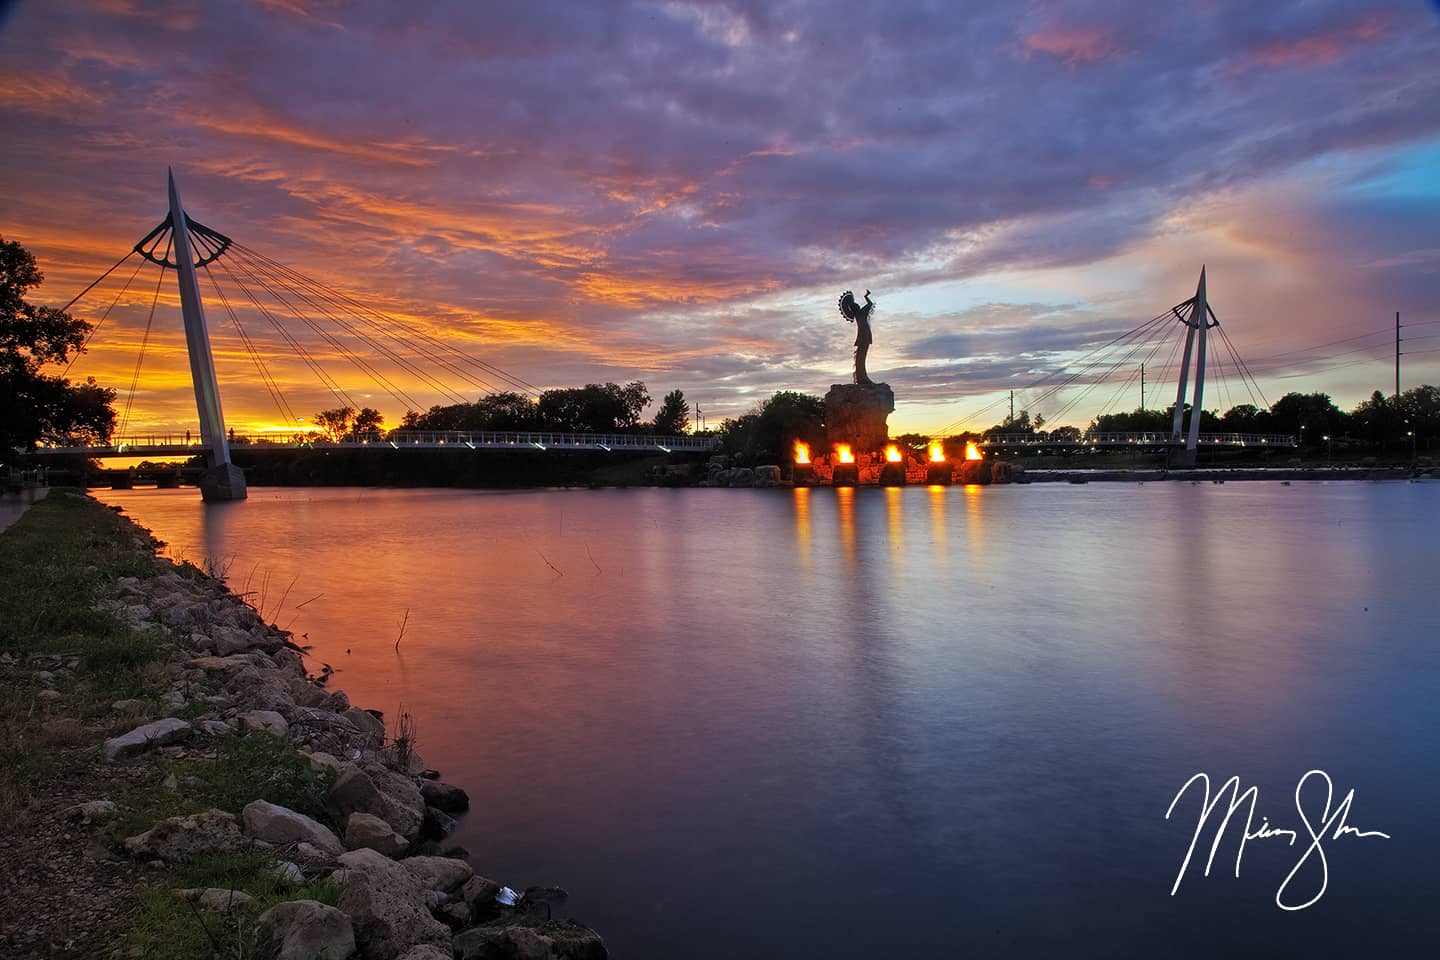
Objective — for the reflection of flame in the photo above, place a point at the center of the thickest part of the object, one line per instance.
(802, 452)
(937, 452)
(842, 450)
(892, 454)
(972, 452)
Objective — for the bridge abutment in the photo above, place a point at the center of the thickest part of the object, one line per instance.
(222, 482)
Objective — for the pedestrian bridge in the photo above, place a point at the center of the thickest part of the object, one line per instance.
(1113, 441)
(183, 445)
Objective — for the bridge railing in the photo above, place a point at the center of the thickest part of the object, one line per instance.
(1149, 438)
(398, 439)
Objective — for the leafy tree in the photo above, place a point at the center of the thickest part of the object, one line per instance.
(674, 414)
(348, 425)
(35, 406)
(1420, 408)
(1066, 434)
(335, 423)
(367, 425)
(1310, 416)
(769, 431)
(494, 411)
(1144, 421)
(593, 408)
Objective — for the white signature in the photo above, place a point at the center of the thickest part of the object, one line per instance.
(1330, 826)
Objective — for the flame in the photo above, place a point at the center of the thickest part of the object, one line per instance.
(972, 452)
(842, 450)
(892, 454)
(802, 452)
(937, 452)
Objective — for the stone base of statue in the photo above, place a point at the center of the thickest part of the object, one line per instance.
(221, 483)
(856, 414)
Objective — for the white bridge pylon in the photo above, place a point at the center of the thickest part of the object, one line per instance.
(1199, 319)
(223, 480)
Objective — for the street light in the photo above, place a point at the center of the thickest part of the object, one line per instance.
(1326, 438)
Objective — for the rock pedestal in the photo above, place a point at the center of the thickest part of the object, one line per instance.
(856, 414)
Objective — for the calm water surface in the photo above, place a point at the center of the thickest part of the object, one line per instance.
(923, 721)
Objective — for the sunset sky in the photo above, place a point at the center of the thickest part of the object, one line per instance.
(678, 192)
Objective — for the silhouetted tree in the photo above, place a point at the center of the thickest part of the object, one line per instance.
(674, 414)
(35, 406)
(769, 432)
(593, 408)
(1309, 416)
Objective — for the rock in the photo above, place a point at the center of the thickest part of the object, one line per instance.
(280, 825)
(130, 706)
(157, 734)
(312, 854)
(555, 939)
(369, 725)
(856, 414)
(267, 720)
(220, 900)
(456, 915)
(404, 806)
(231, 664)
(439, 873)
(427, 951)
(437, 825)
(215, 728)
(479, 893)
(181, 838)
(321, 761)
(444, 796)
(45, 677)
(354, 792)
(388, 906)
(94, 810)
(224, 641)
(767, 476)
(48, 696)
(368, 830)
(309, 930)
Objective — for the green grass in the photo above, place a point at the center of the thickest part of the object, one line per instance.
(167, 927)
(257, 766)
(56, 563)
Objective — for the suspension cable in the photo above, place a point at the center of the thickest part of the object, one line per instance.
(144, 342)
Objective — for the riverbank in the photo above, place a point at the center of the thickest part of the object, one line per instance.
(178, 779)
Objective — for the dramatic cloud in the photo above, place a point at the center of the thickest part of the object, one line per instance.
(678, 191)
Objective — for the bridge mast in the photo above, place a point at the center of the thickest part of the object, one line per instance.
(223, 480)
(1198, 323)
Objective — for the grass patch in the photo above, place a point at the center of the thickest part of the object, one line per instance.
(167, 927)
(257, 766)
(56, 563)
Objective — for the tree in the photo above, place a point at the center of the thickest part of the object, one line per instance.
(1310, 416)
(674, 415)
(348, 425)
(593, 408)
(494, 411)
(769, 432)
(35, 406)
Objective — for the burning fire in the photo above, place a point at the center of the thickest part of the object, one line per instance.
(842, 450)
(802, 452)
(937, 452)
(972, 452)
(892, 454)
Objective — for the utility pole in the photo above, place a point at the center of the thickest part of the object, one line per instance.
(1142, 388)
(1012, 406)
(1397, 354)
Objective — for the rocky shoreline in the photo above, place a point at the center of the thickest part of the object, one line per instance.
(371, 836)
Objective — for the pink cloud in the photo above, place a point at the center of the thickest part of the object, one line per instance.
(1073, 45)
(1317, 49)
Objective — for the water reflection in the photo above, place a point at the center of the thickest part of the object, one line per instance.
(679, 704)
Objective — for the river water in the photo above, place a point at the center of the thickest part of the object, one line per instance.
(893, 722)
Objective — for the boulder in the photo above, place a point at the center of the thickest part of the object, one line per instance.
(158, 734)
(218, 899)
(444, 796)
(181, 838)
(94, 810)
(231, 664)
(280, 825)
(439, 873)
(388, 906)
(550, 940)
(354, 792)
(267, 720)
(767, 476)
(479, 894)
(427, 951)
(309, 930)
(369, 725)
(368, 830)
(404, 805)
(438, 825)
(224, 641)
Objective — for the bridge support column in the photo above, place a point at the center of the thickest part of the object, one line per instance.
(1199, 323)
(223, 480)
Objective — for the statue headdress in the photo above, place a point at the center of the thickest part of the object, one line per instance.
(848, 308)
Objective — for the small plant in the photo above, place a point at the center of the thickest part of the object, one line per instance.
(404, 739)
